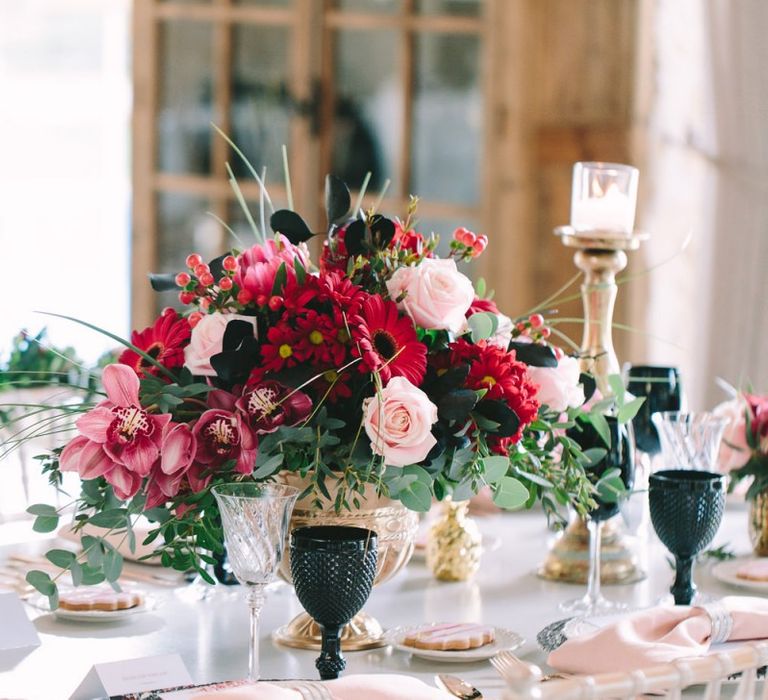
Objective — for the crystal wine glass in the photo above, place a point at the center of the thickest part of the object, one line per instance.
(333, 568)
(620, 455)
(686, 510)
(255, 518)
(690, 440)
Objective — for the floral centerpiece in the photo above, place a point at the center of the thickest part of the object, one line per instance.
(383, 365)
(744, 455)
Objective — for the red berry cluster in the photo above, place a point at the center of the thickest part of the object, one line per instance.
(466, 245)
(201, 288)
(534, 327)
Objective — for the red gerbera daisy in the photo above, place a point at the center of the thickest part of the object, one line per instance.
(164, 341)
(387, 343)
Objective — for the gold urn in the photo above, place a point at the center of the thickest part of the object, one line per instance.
(454, 544)
(396, 528)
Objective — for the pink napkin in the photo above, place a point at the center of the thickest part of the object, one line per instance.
(658, 635)
(368, 686)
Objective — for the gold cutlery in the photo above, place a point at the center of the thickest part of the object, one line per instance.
(457, 687)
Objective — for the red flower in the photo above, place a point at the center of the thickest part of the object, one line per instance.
(334, 256)
(164, 341)
(410, 240)
(281, 349)
(480, 305)
(387, 342)
(335, 384)
(320, 341)
(505, 379)
(270, 404)
(343, 293)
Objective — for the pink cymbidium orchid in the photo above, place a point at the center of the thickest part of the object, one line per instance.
(118, 439)
(221, 436)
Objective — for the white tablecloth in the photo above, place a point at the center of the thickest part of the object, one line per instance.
(212, 636)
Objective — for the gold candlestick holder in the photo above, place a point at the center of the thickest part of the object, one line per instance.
(600, 255)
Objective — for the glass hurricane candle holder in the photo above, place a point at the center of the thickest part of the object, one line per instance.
(603, 198)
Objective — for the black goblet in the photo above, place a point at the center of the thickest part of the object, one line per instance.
(686, 510)
(619, 455)
(333, 568)
(661, 388)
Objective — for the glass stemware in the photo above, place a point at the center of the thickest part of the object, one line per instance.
(333, 568)
(620, 456)
(690, 440)
(255, 518)
(661, 388)
(686, 510)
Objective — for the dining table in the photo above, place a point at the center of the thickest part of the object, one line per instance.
(209, 628)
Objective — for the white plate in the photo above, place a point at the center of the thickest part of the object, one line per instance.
(725, 571)
(504, 639)
(41, 603)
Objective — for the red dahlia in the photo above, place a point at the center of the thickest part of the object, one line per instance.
(387, 342)
(164, 341)
(506, 379)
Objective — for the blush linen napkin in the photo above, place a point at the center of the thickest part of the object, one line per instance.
(658, 635)
(353, 687)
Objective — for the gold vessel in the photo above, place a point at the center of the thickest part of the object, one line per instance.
(758, 523)
(396, 528)
(568, 559)
(454, 544)
(600, 256)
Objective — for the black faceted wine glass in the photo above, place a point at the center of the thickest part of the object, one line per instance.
(620, 455)
(686, 511)
(333, 568)
(661, 388)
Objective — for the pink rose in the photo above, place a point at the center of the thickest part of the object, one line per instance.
(559, 387)
(399, 422)
(435, 294)
(207, 340)
(734, 451)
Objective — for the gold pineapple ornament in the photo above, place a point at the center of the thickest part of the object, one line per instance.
(454, 544)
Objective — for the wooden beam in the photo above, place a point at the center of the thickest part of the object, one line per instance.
(144, 147)
(405, 22)
(244, 14)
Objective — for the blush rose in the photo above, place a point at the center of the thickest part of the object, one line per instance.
(559, 387)
(399, 422)
(207, 340)
(734, 450)
(434, 294)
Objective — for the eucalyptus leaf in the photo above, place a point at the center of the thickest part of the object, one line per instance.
(112, 518)
(45, 523)
(269, 467)
(41, 582)
(600, 424)
(482, 325)
(112, 565)
(416, 497)
(617, 387)
(495, 467)
(60, 557)
(41, 509)
(510, 493)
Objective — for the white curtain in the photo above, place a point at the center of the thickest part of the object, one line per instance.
(703, 121)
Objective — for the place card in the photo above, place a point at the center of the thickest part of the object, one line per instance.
(132, 676)
(16, 630)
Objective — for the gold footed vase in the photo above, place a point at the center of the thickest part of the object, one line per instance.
(758, 523)
(568, 559)
(396, 528)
